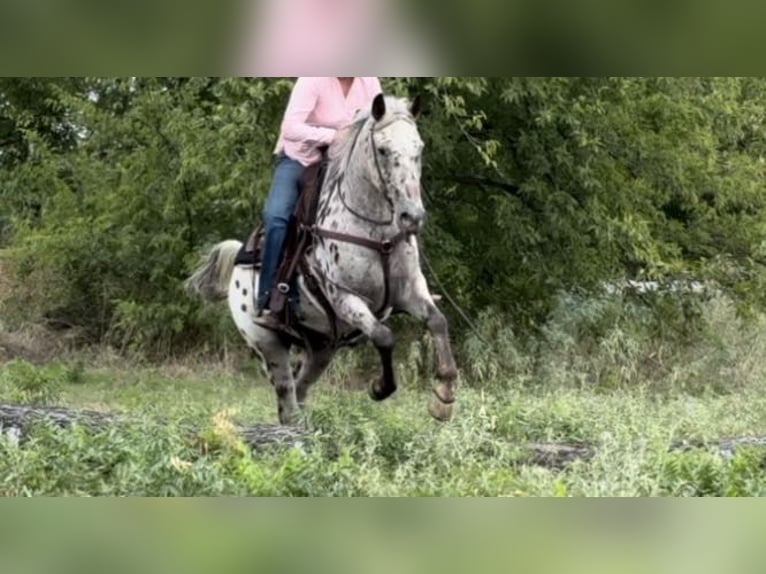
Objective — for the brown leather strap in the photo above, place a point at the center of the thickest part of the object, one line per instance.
(382, 247)
(298, 236)
(313, 287)
(287, 272)
(385, 248)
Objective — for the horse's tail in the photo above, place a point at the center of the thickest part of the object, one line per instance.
(211, 279)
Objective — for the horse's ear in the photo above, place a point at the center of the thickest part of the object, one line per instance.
(378, 107)
(416, 106)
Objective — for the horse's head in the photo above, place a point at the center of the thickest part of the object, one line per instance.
(396, 158)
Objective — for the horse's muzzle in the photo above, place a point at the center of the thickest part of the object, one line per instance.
(412, 221)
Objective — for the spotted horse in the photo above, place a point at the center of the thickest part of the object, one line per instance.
(362, 265)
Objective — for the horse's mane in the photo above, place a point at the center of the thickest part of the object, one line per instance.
(340, 151)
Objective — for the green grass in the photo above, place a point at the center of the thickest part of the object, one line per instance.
(605, 372)
(364, 448)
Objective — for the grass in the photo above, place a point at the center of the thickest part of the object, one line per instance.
(601, 373)
(364, 448)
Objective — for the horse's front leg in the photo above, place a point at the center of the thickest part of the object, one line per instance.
(354, 311)
(418, 302)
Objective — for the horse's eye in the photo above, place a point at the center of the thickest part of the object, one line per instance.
(382, 151)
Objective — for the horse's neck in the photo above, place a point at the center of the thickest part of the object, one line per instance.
(354, 195)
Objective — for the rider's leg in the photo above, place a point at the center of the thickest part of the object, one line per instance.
(280, 204)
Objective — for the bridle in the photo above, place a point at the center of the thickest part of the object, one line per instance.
(383, 182)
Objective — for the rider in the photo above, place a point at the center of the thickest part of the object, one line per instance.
(317, 109)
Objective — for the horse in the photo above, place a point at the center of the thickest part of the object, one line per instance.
(362, 265)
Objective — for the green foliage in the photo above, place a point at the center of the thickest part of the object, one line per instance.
(701, 473)
(163, 167)
(535, 186)
(24, 383)
(362, 448)
(665, 342)
(137, 459)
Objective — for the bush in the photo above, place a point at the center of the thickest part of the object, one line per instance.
(702, 473)
(533, 186)
(24, 383)
(607, 342)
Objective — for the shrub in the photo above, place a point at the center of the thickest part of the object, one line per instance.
(24, 383)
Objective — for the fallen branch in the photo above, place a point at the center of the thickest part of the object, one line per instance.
(725, 446)
(16, 420)
(557, 455)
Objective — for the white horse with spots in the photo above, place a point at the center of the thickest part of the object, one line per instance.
(363, 264)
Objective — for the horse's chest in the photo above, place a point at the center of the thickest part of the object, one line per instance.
(365, 271)
(351, 265)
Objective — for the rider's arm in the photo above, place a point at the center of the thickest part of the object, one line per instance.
(302, 102)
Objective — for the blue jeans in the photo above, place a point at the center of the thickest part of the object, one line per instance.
(280, 205)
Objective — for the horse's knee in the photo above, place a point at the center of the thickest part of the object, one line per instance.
(447, 373)
(383, 338)
(437, 323)
(283, 389)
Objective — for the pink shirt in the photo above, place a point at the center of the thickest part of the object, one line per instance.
(296, 37)
(317, 109)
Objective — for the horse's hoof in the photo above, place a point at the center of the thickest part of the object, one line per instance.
(440, 411)
(380, 394)
(291, 418)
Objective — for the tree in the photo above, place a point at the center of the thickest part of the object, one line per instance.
(533, 185)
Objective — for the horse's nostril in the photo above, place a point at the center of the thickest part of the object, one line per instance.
(410, 221)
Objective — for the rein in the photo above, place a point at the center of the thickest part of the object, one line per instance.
(386, 196)
(383, 182)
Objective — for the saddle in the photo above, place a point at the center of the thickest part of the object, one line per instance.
(297, 241)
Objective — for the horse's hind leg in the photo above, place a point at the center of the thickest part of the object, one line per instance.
(420, 304)
(352, 310)
(276, 358)
(311, 369)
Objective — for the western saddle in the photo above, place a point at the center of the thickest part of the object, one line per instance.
(283, 298)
